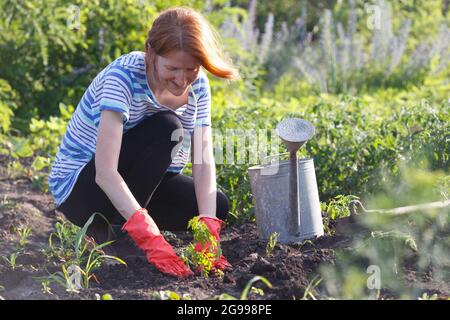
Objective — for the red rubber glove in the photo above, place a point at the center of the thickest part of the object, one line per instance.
(143, 230)
(214, 225)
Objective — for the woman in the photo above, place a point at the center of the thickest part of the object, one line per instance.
(129, 140)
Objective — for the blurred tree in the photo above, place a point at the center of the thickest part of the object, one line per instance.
(445, 6)
(287, 11)
(50, 50)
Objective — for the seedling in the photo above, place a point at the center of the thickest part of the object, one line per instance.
(336, 209)
(45, 287)
(85, 256)
(65, 235)
(248, 288)
(257, 291)
(249, 285)
(201, 261)
(8, 204)
(169, 295)
(24, 235)
(425, 296)
(66, 278)
(311, 287)
(224, 296)
(273, 239)
(12, 259)
(94, 260)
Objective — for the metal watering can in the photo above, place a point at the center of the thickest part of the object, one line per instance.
(285, 192)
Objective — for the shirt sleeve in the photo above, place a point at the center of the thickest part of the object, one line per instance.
(117, 92)
(204, 104)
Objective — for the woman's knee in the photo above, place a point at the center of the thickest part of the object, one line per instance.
(223, 206)
(165, 123)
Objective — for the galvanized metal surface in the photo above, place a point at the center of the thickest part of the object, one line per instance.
(294, 133)
(270, 188)
(294, 204)
(295, 130)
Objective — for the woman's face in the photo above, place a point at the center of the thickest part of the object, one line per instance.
(176, 71)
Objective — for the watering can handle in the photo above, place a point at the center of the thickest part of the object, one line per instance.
(264, 160)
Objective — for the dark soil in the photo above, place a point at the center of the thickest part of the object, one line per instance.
(289, 268)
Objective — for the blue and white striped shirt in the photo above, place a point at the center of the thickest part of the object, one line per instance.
(122, 87)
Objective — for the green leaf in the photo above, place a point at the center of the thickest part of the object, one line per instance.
(22, 148)
(251, 282)
(40, 163)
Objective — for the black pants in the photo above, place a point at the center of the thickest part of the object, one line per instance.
(144, 158)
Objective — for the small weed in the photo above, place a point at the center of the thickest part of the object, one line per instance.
(273, 239)
(65, 235)
(257, 291)
(425, 296)
(39, 182)
(8, 204)
(12, 259)
(169, 295)
(81, 255)
(224, 296)
(309, 291)
(248, 288)
(336, 209)
(46, 287)
(249, 285)
(24, 234)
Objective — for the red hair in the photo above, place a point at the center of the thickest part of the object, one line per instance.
(185, 29)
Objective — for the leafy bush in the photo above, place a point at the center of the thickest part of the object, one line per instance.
(400, 248)
(356, 141)
(8, 103)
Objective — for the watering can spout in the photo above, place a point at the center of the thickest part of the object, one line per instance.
(293, 145)
(294, 133)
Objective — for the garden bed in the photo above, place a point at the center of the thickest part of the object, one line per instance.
(289, 268)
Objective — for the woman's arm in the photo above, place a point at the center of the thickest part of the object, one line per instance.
(109, 140)
(204, 171)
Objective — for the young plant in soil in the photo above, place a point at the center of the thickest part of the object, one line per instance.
(23, 234)
(86, 256)
(12, 259)
(273, 239)
(249, 285)
(169, 295)
(63, 247)
(248, 288)
(311, 288)
(202, 261)
(8, 204)
(335, 209)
